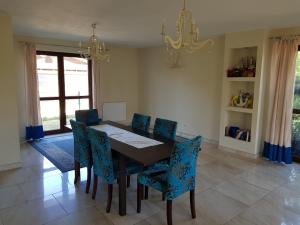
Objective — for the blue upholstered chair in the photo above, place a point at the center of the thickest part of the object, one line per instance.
(104, 165)
(178, 179)
(82, 151)
(165, 129)
(89, 117)
(140, 122)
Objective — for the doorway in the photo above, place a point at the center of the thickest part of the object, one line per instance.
(65, 85)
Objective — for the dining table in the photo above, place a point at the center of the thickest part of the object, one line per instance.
(144, 155)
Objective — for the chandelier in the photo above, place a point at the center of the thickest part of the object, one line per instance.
(94, 49)
(187, 35)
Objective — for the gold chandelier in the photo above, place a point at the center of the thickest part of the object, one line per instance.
(94, 49)
(187, 35)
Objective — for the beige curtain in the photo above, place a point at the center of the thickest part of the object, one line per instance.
(281, 89)
(97, 96)
(32, 88)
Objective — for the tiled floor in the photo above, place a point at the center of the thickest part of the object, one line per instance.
(231, 190)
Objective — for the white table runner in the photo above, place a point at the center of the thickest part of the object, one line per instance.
(127, 137)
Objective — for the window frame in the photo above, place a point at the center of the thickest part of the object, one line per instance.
(61, 88)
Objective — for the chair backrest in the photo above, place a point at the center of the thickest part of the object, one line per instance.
(82, 152)
(140, 122)
(102, 155)
(89, 117)
(165, 129)
(182, 171)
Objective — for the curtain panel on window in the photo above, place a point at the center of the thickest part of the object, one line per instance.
(281, 87)
(32, 88)
(97, 94)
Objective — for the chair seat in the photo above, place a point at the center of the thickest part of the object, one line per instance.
(158, 167)
(157, 181)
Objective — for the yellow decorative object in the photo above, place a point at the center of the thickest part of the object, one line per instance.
(187, 34)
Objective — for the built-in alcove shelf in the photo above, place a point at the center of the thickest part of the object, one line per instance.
(238, 47)
(239, 109)
(241, 79)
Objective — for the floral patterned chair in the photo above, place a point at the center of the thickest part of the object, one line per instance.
(165, 130)
(89, 117)
(178, 179)
(82, 151)
(104, 165)
(140, 122)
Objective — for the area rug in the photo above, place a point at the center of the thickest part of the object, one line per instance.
(59, 150)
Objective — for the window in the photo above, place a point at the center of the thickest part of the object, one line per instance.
(64, 86)
(296, 113)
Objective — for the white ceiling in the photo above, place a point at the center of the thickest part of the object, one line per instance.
(138, 22)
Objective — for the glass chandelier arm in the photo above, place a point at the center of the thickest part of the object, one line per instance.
(174, 44)
(201, 44)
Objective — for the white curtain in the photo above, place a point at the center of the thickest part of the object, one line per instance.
(32, 87)
(281, 90)
(97, 96)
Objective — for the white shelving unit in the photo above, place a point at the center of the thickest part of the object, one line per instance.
(238, 45)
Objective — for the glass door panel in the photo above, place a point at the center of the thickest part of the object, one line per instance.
(75, 104)
(50, 113)
(76, 76)
(296, 113)
(47, 71)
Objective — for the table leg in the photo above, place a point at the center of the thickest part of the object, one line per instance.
(122, 185)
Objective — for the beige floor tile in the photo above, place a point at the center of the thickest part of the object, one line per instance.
(242, 191)
(10, 196)
(262, 179)
(217, 207)
(240, 221)
(149, 208)
(266, 213)
(45, 187)
(16, 176)
(87, 216)
(216, 172)
(74, 199)
(181, 216)
(47, 169)
(38, 211)
(286, 198)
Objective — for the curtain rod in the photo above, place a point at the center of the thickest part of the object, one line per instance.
(56, 45)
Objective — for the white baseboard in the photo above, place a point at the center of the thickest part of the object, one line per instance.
(10, 166)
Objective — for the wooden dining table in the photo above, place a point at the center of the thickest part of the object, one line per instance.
(144, 156)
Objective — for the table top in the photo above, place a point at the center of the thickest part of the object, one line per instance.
(145, 156)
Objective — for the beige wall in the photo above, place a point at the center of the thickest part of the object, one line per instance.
(119, 77)
(189, 94)
(9, 139)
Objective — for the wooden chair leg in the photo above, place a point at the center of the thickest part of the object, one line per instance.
(140, 188)
(128, 181)
(95, 186)
(169, 212)
(88, 182)
(163, 197)
(192, 203)
(77, 172)
(109, 197)
(146, 192)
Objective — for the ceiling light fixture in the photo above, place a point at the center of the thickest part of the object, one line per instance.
(94, 49)
(187, 37)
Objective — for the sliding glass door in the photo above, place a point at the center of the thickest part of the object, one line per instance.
(64, 86)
